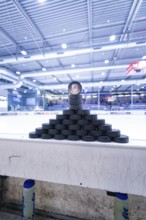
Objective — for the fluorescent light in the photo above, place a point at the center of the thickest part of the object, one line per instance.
(144, 57)
(112, 37)
(103, 73)
(18, 72)
(41, 1)
(64, 46)
(106, 61)
(72, 65)
(44, 69)
(23, 52)
(34, 80)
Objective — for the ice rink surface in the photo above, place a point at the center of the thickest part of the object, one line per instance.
(20, 125)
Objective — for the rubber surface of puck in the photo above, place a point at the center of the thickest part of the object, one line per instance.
(46, 136)
(88, 138)
(104, 139)
(99, 122)
(75, 117)
(60, 127)
(53, 131)
(113, 133)
(89, 127)
(34, 135)
(122, 139)
(75, 107)
(96, 133)
(75, 102)
(91, 117)
(83, 112)
(41, 131)
(61, 117)
(66, 132)
(73, 137)
(81, 132)
(68, 112)
(67, 122)
(54, 121)
(74, 127)
(83, 122)
(47, 126)
(105, 127)
(59, 137)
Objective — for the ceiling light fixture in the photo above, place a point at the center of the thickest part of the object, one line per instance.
(112, 37)
(18, 72)
(34, 80)
(106, 61)
(44, 69)
(23, 52)
(72, 65)
(64, 46)
(41, 1)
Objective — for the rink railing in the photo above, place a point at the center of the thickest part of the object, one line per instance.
(134, 112)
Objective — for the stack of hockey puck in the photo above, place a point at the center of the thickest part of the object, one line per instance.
(78, 124)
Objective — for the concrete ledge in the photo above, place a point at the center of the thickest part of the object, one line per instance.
(110, 166)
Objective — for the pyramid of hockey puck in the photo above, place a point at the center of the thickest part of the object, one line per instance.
(78, 124)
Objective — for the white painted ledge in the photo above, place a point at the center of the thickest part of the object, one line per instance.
(110, 166)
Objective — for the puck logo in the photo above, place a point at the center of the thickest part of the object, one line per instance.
(74, 88)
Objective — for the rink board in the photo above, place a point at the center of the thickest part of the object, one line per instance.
(113, 167)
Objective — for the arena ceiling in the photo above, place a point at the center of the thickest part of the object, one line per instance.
(46, 44)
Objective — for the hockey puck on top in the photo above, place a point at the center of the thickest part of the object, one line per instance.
(105, 127)
(113, 133)
(75, 107)
(59, 137)
(88, 138)
(75, 97)
(46, 136)
(34, 135)
(75, 102)
(122, 139)
(99, 122)
(104, 139)
(73, 137)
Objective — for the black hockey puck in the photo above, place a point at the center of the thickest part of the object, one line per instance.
(96, 133)
(99, 122)
(41, 131)
(74, 127)
(60, 127)
(66, 132)
(46, 136)
(68, 112)
(88, 138)
(53, 131)
(47, 126)
(34, 135)
(113, 133)
(75, 107)
(54, 121)
(75, 102)
(89, 127)
(104, 139)
(75, 97)
(67, 122)
(122, 139)
(73, 137)
(74, 88)
(83, 112)
(75, 117)
(61, 117)
(83, 122)
(105, 127)
(59, 137)
(91, 117)
(81, 132)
